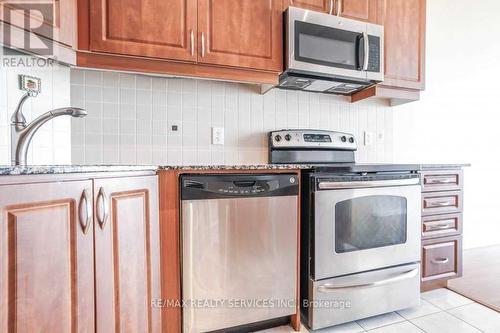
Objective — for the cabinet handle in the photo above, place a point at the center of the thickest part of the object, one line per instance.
(440, 227)
(102, 209)
(440, 181)
(192, 43)
(331, 7)
(202, 44)
(441, 204)
(440, 261)
(85, 203)
(339, 7)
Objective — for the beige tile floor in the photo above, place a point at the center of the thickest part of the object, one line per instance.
(441, 311)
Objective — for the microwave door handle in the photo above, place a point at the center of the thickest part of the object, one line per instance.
(366, 50)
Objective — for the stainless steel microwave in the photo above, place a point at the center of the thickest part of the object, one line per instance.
(331, 54)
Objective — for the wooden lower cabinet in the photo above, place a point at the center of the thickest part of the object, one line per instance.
(442, 225)
(441, 258)
(80, 256)
(46, 257)
(127, 254)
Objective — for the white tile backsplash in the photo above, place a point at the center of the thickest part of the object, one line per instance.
(131, 118)
(52, 143)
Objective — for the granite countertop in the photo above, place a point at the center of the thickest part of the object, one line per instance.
(63, 169)
(7, 170)
(444, 166)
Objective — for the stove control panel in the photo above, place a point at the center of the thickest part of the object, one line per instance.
(312, 139)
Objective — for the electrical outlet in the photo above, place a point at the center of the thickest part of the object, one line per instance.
(368, 138)
(217, 135)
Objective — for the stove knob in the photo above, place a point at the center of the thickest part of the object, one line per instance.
(343, 138)
(351, 139)
(277, 138)
(288, 137)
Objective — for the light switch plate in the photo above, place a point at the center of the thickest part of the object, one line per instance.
(368, 138)
(217, 135)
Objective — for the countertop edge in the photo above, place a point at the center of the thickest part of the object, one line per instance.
(73, 169)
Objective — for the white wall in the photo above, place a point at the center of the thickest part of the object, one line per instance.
(130, 119)
(52, 143)
(458, 117)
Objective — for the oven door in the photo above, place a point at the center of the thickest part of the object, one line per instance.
(333, 46)
(362, 229)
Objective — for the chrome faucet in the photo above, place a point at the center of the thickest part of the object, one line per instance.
(21, 133)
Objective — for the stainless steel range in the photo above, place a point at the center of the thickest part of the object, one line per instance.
(360, 233)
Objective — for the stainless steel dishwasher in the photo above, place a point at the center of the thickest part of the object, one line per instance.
(239, 249)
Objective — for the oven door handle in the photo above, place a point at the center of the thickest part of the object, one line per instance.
(327, 185)
(329, 287)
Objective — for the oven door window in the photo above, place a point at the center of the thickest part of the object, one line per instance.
(370, 222)
(317, 44)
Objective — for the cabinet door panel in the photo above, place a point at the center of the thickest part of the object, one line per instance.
(317, 5)
(154, 28)
(127, 254)
(362, 10)
(46, 259)
(241, 33)
(404, 23)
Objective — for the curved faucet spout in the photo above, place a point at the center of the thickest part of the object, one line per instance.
(22, 133)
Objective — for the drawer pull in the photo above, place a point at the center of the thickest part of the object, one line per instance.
(440, 227)
(441, 181)
(440, 261)
(441, 204)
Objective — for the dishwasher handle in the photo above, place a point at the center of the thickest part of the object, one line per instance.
(238, 186)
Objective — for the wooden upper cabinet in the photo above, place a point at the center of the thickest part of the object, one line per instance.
(241, 33)
(362, 10)
(317, 5)
(46, 258)
(404, 29)
(154, 28)
(52, 19)
(127, 254)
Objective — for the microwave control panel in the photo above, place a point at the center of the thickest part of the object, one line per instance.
(374, 59)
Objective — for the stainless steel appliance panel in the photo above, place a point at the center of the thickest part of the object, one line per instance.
(238, 249)
(343, 24)
(372, 232)
(352, 297)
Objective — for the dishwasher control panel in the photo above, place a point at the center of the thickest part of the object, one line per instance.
(223, 186)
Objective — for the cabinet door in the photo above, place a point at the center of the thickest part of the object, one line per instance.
(53, 19)
(154, 28)
(127, 254)
(241, 33)
(318, 5)
(362, 10)
(46, 257)
(404, 29)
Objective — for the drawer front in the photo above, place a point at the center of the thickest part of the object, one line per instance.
(442, 180)
(442, 258)
(441, 225)
(441, 202)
